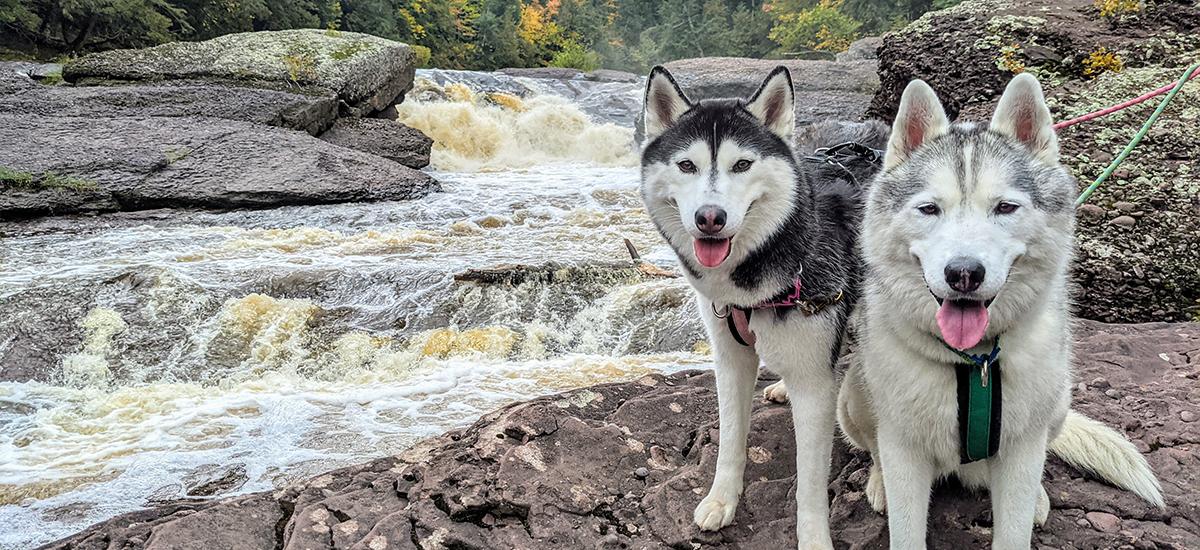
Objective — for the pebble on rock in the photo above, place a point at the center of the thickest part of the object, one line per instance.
(1104, 522)
(1123, 221)
(1092, 211)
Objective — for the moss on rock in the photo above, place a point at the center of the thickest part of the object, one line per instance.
(20, 180)
(365, 71)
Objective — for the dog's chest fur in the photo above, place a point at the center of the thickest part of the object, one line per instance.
(921, 400)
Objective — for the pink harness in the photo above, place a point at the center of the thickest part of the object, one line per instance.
(738, 318)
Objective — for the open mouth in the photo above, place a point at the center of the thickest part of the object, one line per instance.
(712, 252)
(963, 322)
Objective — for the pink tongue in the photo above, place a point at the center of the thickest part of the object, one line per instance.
(711, 252)
(962, 327)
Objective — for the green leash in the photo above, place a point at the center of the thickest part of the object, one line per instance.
(1137, 138)
(979, 398)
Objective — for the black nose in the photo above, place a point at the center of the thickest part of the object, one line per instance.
(710, 220)
(964, 274)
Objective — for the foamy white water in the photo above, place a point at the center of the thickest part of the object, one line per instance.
(232, 352)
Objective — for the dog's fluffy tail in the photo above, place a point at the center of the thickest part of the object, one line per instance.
(1095, 448)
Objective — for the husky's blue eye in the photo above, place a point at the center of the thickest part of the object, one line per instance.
(929, 209)
(742, 165)
(1006, 207)
(686, 166)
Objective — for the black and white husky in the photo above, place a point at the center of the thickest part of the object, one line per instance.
(769, 243)
(967, 237)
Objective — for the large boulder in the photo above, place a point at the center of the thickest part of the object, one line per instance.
(381, 137)
(623, 465)
(1139, 234)
(366, 73)
(80, 164)
(310, 112)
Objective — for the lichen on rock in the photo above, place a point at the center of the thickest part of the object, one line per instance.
(366, 72)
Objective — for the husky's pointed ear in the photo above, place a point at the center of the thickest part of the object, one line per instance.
(1022, 115)
(775, 103)
(920, 119)
(664, 102)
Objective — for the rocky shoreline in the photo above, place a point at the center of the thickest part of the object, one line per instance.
(623, 465)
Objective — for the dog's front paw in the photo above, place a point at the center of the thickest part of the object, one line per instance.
(776, 393)
(715, 512)
(1042, 510)
(875, 494)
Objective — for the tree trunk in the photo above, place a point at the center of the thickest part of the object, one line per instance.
(83, 34)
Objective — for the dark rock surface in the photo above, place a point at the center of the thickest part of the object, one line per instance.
(367, 73)
(623, 465)
(382, 137)
(1136, 263)
(313, 113)
(152, 162)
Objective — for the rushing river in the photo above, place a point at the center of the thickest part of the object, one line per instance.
(197, 355)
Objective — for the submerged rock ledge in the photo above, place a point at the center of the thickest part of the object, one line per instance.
(622, 466)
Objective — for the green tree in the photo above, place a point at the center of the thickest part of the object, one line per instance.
(576, 56)
(712, 28)
(822, 27)
(81, 25)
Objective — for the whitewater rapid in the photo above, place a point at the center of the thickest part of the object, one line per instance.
(198, 355)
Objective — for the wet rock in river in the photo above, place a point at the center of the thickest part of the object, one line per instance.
(384, 138)
(555, 472)
(106, 164)
(309, 112)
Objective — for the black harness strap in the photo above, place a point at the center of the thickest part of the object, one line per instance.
(733, 329)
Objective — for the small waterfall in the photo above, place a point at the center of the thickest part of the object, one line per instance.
(492, 122)
(193, 354)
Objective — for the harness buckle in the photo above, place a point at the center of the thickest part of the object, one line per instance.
(983, 372)
(718, 313)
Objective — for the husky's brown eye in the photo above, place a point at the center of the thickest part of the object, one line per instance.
(1006, 207)
(686, 166)
(929, 209)
(742, 165)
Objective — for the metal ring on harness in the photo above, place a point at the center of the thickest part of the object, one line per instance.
(718, 313)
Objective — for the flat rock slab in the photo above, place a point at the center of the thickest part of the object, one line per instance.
(154, 162)
(382, 137)
(366, 72)
(623, 465)
(310, 112)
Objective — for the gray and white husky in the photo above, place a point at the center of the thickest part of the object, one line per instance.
(769, 244)
(967, 239)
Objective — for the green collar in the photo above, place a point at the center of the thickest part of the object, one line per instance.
(979, 399)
